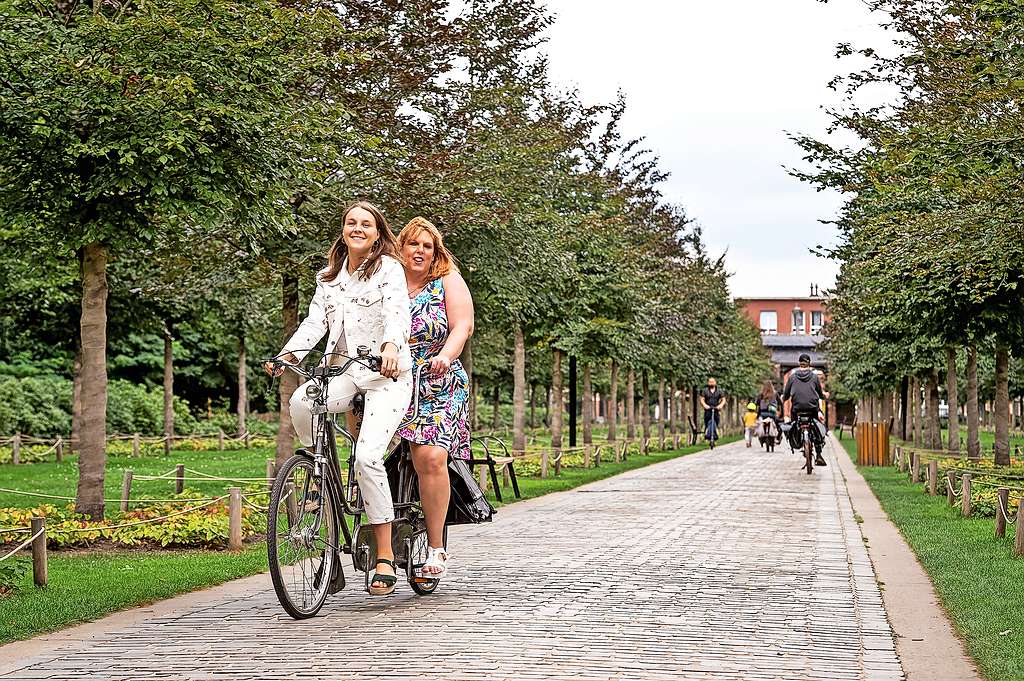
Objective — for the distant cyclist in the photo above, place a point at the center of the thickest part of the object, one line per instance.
(804, 389)
(713, 400)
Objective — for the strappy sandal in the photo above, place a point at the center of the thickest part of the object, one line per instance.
(388, 581)
(436, 558)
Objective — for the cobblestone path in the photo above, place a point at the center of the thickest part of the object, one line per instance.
(731, 564)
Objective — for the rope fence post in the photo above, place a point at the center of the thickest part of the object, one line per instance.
(60, 449)
(136, 445)
(235, 519)
(39, 573)
(965, 499)
(1003, 502)
(179, 478)
(1018, 544)
(271, 472)
(126, 489)
(915, 468)
(904, 460)
(220, 439)
(617, 452)
(933, 477)
(586, 456)
(16, 449)
(544, 463)
(483, 478)
(950, 487)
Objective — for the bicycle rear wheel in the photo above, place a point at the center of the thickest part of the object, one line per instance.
(302, 538)
(808, 454)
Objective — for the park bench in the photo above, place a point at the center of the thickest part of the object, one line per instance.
(505, 461)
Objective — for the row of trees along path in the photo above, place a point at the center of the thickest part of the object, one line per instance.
(929, 296)
(177, 170)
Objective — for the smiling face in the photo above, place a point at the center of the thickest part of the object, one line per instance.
(360, 232)
(418, 254)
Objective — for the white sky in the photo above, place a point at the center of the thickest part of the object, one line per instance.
(714, 86)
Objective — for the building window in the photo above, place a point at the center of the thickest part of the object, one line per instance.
(798, 321)
(816, 321)
(769, 322)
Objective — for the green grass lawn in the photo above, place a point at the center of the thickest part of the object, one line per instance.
(87, 585)
(62, 478)
(978, 581)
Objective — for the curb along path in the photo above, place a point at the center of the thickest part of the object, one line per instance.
(719, 565)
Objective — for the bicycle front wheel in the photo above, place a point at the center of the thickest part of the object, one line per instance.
(302, 538)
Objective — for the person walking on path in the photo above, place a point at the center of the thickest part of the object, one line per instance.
(360, 300)
(712, 400)
(442, 321)
(750, 423)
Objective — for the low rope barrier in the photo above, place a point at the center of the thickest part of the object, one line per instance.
(999, 503)
(15, 530)
(148, 521)
(106, 501)
(23, 544)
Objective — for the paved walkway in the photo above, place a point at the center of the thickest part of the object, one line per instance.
(722, 565)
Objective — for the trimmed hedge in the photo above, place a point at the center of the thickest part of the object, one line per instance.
(41, 406)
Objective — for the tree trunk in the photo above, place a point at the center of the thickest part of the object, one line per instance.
(547, 406)
(613, 403)
(92, 452)
(934, 422)
(671, 408)
(519, 390)
(467, 365)
(631, 404)
(645, 406)
(1001, 446)
(661, 408)
(168, 387)
(495, 408)
(904, 406)
(556, 400)
(973, 440)
(886, 407)
(76, 401)
(243, 385)
(588, 407)
(289, 382)
(916, 403)
(533, 406)
(953, 400)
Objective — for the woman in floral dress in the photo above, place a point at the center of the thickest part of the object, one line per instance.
(442, 322)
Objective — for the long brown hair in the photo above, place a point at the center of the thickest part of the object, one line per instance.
(444, 261)
(768, 391)
(384, 245)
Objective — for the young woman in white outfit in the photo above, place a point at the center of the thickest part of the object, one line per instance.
(361, 299)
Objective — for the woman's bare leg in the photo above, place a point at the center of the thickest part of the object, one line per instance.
(431, 465)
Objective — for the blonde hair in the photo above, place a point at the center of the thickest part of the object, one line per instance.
(444, 261)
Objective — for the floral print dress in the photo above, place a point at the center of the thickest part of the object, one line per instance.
(443, 400)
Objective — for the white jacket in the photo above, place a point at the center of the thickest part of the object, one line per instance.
(371, 312)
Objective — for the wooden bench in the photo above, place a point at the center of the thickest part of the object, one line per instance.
(505, 461)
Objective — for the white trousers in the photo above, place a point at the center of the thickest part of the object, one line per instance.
(386, 402)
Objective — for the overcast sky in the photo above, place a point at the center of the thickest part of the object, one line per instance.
(714, 86)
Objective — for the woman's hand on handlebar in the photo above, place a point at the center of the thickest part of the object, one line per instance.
(276, 368)
(389, 361)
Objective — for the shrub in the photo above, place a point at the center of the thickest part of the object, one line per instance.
(205, 527)
(41, 406)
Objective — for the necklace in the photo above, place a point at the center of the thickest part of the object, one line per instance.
(414, 291)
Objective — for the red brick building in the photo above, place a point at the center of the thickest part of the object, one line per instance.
(791, 326)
